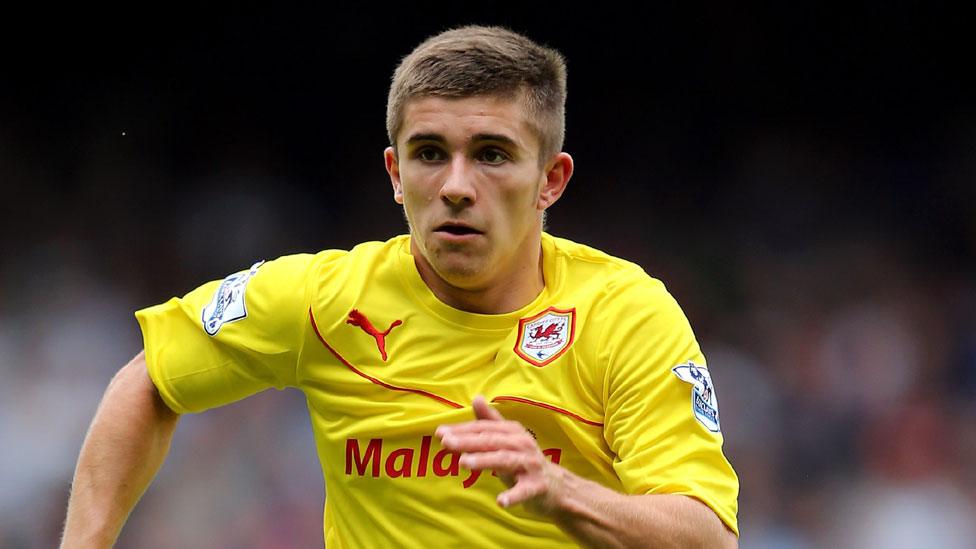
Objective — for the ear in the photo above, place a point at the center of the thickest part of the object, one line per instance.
(393, 168)
(557, 174)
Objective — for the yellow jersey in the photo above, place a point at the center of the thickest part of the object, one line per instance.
(601, 367)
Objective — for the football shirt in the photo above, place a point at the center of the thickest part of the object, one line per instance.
(601, 367)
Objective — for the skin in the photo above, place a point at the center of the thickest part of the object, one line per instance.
(475, 163)
(126, 444)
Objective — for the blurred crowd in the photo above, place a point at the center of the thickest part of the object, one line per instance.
(845, 362)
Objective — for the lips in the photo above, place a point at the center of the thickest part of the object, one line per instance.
(456, 229)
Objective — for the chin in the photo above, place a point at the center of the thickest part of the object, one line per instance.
(460, 272)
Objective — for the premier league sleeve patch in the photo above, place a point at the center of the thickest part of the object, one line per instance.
(228, 303)
(703, 400)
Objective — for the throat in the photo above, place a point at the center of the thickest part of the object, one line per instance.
(493, 300)
(502, 294)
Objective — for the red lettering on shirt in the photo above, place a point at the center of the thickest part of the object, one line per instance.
(373, 451)
(452, 467)
(424, 454)
(400, 463)
(472, 478)
(554, 454)
(403, 470)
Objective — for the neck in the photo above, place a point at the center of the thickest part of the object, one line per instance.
(517, 288)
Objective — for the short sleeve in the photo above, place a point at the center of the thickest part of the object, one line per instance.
(661, 410)
(229, 338)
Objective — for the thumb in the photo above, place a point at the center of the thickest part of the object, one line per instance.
(483, 411)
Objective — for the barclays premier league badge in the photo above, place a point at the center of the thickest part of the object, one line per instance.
(704, 402)
(546, 336)
(227, 304)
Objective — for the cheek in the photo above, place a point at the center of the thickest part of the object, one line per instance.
(520, 200)
(418, 188)
(416, 206)
(416, 202)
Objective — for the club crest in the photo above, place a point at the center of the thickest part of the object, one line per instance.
(546, 336)
(228, 304)
(704, 402)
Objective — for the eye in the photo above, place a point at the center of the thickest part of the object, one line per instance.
(429, 154)
(493, 156)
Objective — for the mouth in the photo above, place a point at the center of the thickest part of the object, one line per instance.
(456, 229)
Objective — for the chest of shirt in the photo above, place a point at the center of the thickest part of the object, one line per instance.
(381, 378)
(543, 357)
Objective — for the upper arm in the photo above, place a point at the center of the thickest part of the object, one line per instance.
(133, 389)
(229, 338)
(661, 410)
(134, 377)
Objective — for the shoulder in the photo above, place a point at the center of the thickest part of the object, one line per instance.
(337, 278)
(380, 247)
(338, 258)
(619, 278)
(366, 256)
(628, 303)
(296, 274)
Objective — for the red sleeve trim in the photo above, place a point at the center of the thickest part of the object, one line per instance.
(549, 407)
(373, 379)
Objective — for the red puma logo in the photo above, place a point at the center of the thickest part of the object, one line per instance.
(357, 318)
(551, 330)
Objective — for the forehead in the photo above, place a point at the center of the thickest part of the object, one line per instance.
(461, 119)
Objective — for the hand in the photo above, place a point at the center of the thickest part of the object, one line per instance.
(507, 448)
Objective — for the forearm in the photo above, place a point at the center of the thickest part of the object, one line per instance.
(593, 514)
(597, 516)
(124, 448)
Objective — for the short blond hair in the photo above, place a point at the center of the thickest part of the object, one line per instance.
(475, 60)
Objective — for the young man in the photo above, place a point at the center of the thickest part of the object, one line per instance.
(598, 422)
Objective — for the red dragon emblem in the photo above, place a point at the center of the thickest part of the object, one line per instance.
(545, 336)
(550, 331)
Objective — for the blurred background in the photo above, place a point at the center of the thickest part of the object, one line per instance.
(802, 177)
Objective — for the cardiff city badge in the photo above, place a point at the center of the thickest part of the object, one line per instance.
(228, 304)
(703, 399)
(546, 336)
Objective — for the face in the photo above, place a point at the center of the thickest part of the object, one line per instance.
(469, 178)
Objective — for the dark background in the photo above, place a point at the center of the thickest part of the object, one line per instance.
(802, 177)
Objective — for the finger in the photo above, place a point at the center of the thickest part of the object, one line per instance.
(501, 461)
(481, 426)
(523, 490)
(483, 411)
(486, 442)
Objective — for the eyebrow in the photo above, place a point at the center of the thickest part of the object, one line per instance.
(417, 137)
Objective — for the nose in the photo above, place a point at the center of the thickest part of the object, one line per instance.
(458, 185)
